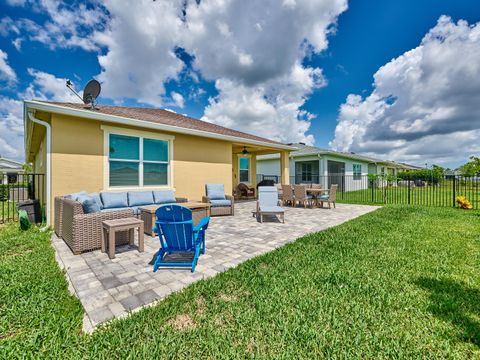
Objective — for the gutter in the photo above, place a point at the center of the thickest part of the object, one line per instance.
(49, 158)
(86, 114)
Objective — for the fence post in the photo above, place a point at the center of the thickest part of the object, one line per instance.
(454, 190)
(343, 186)
(373, 190)
(408, 190)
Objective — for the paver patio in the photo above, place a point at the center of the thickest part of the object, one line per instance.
(111, 288)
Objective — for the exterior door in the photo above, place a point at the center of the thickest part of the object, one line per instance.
(336, 174)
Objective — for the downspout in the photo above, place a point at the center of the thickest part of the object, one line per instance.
(49, 158)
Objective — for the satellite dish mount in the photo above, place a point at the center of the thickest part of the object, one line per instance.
(90, 92)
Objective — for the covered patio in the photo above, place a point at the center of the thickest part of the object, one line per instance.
(111, 288)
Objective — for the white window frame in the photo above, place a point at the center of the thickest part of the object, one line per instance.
(356, 173)
(249, 157)
(110, 130)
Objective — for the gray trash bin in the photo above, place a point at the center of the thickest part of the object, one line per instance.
(32, 207)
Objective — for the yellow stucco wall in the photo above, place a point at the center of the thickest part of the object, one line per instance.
(78, 159)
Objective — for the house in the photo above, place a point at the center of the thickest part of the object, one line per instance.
(310, 164)
(123, 148)
(9, 169)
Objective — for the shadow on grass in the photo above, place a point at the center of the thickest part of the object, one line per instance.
(456, 303)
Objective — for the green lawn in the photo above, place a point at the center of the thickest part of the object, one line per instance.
(398, 283)
(442, 195)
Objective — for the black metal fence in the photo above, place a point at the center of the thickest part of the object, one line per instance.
(18, 188)
(438, 190)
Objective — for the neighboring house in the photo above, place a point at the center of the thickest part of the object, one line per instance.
(309, 164)
(8, 169)
(118, 148)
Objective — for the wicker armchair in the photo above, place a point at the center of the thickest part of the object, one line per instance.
(221, 210)
(246, 191)
(83, 232)
(217, 192)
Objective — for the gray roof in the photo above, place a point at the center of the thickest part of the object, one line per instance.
(9, 164)
(307, 150)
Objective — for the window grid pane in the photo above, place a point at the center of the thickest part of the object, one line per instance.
(155, 174)
(357, 172)
(124, 147)
(155, 150)
(244, 176)
(123, 173)
(244, 163)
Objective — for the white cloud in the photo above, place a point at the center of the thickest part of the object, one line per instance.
(69, 25)
(6, 71)
(11, 128)
(424, 104)
(44, 86)
(16, 2)
(141, 41)
(271, 110)
(253, 51)
(178, 99)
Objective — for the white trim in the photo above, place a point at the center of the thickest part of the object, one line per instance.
(249, 157)
(48, 166)
(89, 114)
(107, 130)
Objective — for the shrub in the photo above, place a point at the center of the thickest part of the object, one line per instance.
(464, 203)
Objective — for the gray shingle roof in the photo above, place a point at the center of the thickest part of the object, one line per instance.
(307, 150)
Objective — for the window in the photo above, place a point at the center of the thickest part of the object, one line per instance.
(306, 172)
(137, 161)
(357, 171)
(244, 169)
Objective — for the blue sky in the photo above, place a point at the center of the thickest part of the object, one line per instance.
(293, 71)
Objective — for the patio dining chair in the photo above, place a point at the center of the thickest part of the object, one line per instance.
(178, 237)
(301, 196)
(287, 195)
(330, 198)
(267, 203)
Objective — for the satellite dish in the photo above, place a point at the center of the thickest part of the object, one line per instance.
(91, 92)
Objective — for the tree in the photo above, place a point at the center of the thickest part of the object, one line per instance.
(27, 168)
(472, 167)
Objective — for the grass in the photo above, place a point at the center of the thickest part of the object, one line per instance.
(400, 282)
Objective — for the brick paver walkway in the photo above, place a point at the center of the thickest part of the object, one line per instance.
(110, 288)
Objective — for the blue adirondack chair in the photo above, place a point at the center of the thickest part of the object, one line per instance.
(178, 237)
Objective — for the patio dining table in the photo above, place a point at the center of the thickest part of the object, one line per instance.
(316, 192)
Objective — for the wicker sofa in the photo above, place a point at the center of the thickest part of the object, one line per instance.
(83, 231)
(221, 204)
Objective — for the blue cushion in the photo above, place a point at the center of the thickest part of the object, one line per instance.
(215, 192)
(97, 198)
(272, 209)
(116, 209)
(221, 202)
(88, 203)
(267, 196)
(136, 198)
(114, 199)
(323, 197)
(164, 196)
(75, 196)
